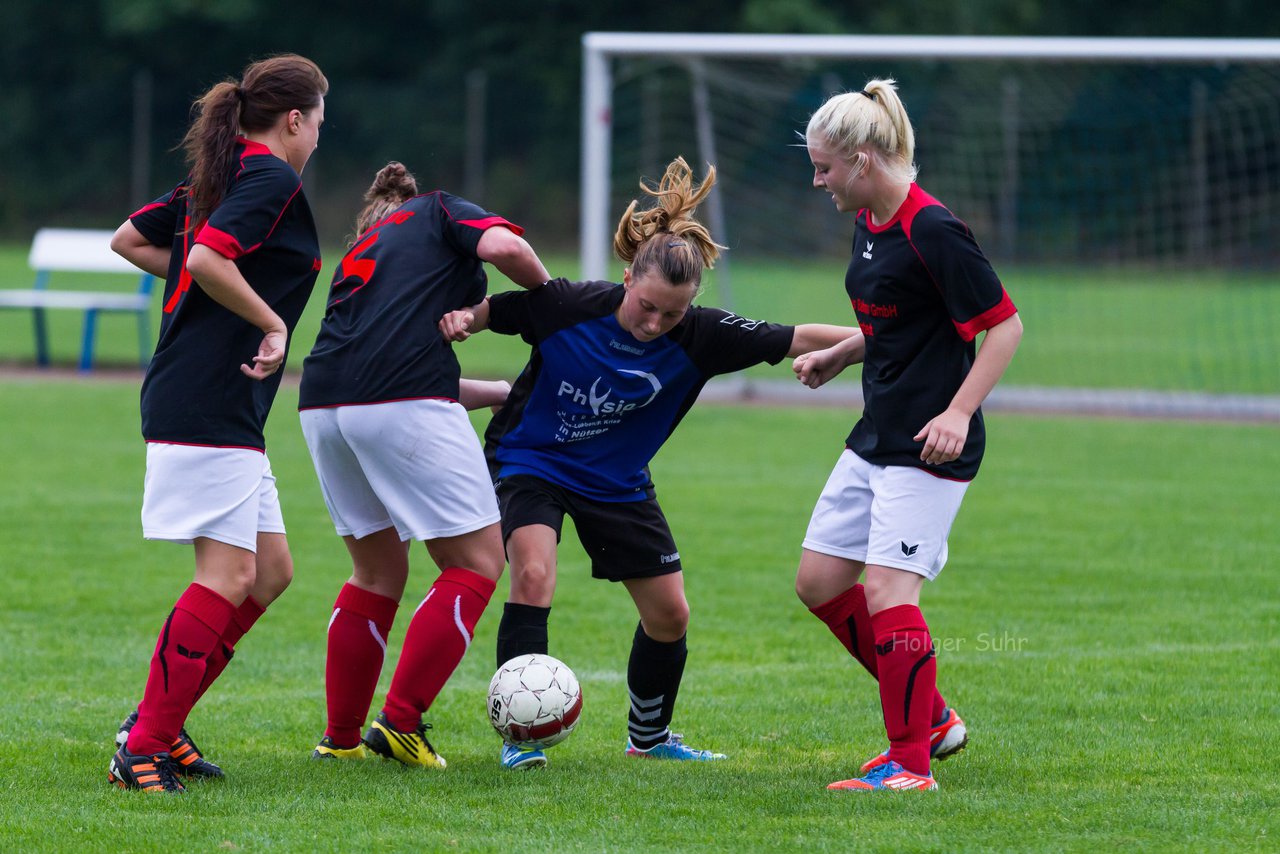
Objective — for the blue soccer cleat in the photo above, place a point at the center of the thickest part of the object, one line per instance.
(673, 748)
(522, 757)
(889, 776)
(946, 738)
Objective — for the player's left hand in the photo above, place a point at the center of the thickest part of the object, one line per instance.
(270, 356)
(944, 437)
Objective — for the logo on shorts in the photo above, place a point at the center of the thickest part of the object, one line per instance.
(909, 550)
(671, 558)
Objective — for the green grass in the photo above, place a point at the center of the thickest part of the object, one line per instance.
(1107, 625)
(1199, 331)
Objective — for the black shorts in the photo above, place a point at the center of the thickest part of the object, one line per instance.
(624, 539)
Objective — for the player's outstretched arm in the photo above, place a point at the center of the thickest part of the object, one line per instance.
(513, 256)
(474, 394)
(461, 324)
(129, 243)
(819, 336)
(815, 367)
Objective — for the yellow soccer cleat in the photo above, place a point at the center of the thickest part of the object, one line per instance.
(326, 749)
(407, 748)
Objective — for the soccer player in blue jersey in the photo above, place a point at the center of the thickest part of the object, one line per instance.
(397, 457)
(237, 246)
(922, 292)
(614, 369)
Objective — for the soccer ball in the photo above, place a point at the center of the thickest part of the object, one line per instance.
(534, 701)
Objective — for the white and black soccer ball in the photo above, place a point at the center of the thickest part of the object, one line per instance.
(534, 701)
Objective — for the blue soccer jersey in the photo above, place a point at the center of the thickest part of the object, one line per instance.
(194, 392)
(594, 404)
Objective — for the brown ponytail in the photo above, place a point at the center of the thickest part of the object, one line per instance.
(267, 89)
(392, 186)
(666, 236)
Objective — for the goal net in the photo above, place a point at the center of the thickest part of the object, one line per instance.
(1079, 160)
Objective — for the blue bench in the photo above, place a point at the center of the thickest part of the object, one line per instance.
(64, 250)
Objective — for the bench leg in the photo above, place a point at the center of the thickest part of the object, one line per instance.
(144, 339)
(42, 337)
(86, 349)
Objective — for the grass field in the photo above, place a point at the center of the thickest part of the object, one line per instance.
(1107, 625)
(1086, 328)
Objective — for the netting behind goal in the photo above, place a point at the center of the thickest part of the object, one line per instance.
(1133, 207)
(1054, 162)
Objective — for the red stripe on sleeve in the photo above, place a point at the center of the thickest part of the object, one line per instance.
(1002, 311)
(146, 208)
(490, 222)
(221, 242)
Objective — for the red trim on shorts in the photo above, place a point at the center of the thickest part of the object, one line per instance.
(204, 445)
(376, 402)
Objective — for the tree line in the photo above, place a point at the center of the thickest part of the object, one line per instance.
(76, 73)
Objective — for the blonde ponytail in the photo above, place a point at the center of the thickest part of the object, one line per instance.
(666, 237)
(873, 120)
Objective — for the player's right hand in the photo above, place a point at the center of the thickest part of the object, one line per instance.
(816, 368)
(270, 356)
(456, 325)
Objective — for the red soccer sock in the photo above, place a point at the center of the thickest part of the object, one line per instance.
(849, 620)
(243, 619)
(178, 666)
(438, 637)
(358, 632)
(908, 683)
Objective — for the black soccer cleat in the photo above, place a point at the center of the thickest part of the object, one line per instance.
(154, 774)
(186, 757)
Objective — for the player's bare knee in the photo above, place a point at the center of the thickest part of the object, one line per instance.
(532, 582)
(810, 589)
(667, 623)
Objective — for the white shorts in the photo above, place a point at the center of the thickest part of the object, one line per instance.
(225, 494)
(414, 464)
(896, 516)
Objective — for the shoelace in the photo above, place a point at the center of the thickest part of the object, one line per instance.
(880, 773)
(164, 770)
(675, 739)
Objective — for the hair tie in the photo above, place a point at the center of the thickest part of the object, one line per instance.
(239, 92)
(868, 94)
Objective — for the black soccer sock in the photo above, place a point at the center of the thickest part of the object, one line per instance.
(653, 679)
(523, 630)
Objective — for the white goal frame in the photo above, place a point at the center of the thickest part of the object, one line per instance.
(599, 49)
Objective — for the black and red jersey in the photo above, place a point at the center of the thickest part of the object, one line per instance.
(194, 392)
(594, 403)
(380, 339)
(922, 291)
